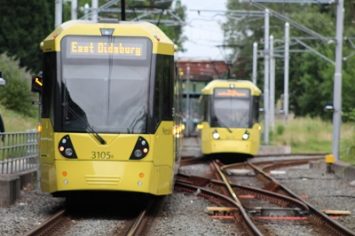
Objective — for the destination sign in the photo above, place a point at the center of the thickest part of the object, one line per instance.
(231, 92)
(103, 47)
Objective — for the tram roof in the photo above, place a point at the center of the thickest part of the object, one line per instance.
(208, 89)
(161, 43)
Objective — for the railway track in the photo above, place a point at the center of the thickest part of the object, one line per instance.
(62, 221)
(255, 203)
(264, 199)
(52, 226)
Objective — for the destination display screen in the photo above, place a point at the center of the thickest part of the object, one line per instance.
(98, 47)
(232, 92)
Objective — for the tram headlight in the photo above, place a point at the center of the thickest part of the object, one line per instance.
(66, 147)
(246, 135)
(140, 150)
(68, 152)
(138, 153)
(215, 135)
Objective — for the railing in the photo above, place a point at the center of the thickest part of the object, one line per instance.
(18, 152)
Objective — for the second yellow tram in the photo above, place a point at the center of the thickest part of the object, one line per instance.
(230, 113)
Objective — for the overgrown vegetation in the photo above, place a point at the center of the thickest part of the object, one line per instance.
(24, 24)
(16, 94)
(314, 135)
(17, 122)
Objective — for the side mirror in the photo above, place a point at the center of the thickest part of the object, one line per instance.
(37, 84)
(2, 81)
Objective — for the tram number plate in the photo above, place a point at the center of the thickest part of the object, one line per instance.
(101, 155)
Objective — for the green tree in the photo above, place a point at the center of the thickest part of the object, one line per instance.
(311, 78)
(16, 94)
(24, 24)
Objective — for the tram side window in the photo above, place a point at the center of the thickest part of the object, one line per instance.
(203, 108)
(163, 96)
(49, 75)
(255, 109)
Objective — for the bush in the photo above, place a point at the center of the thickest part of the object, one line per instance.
(349, 116)
(16, 94)
(280, 129)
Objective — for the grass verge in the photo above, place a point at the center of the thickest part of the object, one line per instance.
(15, 122)
(314, 135)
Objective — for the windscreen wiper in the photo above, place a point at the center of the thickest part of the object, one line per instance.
(224, 125)
(89, 128)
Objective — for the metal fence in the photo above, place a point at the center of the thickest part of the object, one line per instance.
(18, 152)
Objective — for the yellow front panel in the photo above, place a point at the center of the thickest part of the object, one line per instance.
(230, 142)
(118, 146)
(152, 174)
(132, 176)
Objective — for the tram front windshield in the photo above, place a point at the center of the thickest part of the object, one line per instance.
(231, 111)
(105, 83)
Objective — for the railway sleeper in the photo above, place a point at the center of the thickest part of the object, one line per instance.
(276, 211)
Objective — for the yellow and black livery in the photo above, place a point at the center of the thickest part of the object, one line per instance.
(230, 113)
(108, 110)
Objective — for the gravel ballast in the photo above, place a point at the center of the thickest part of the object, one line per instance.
(322, 190)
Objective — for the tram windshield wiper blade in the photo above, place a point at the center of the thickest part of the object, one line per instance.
(225, 126)
(95, 134)
(89, 128)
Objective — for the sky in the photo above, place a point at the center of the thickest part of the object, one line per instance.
(203, 30)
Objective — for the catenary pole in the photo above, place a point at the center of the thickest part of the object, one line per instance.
(255, 62)
(286, 69)
(123, 10)
(266, 76)
(338, 78)
(58, 12)
(187, 89)
(74, 8)
(272, 83)
(94, 10)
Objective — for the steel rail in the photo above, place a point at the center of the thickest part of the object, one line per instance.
(236, 199)
(276, 165)
(202, 181)
(331, 224)
(273, 164)
(137, 226)
(48, 225)
(254, 230)
(290, 154)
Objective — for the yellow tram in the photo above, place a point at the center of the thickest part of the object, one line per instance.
(108, 105)
(229, 110)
